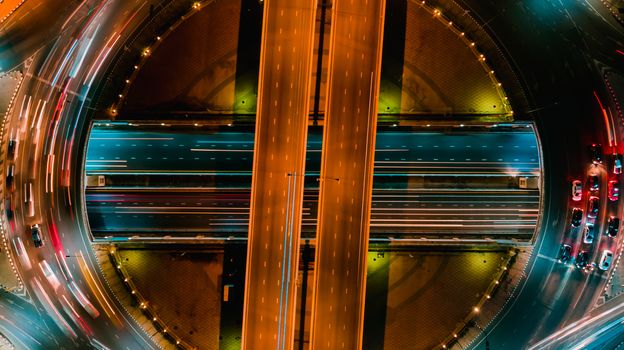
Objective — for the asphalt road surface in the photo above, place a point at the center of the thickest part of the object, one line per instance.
(278, 167)
(346, 174)
(440, 213)
(501, 151)
(464, 172)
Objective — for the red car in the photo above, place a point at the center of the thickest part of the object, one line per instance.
(614, 190)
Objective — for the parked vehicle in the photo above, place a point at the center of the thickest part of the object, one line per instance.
(594, 182)
(588, 233)
(582, 260)
(613, 225)
(577, 217)
(613, 190)
(577, 190)
(596, 153)
(565, 253)
(617, 164)
(594, 207)
(605, 260)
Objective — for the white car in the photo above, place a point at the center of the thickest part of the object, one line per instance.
(588, 233)
(605, 260)
(577, 190)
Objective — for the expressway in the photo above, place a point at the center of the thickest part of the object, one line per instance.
(116, 149)
(63, 276)
(346, 176)
(115, 213)
(148, 174)
(278, 168)
(543, 301)
(416, 172)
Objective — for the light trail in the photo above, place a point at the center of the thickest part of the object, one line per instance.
(133, 138)
(99, 294)
(612, 140)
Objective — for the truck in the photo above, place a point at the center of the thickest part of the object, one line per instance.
(528, 182)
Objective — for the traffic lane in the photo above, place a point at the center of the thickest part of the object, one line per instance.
(238, 163)
(348, 155)
(23, 324)
(21, 35)
(122, 151)
(102, 325)
(392, 212)
(153, 219)
(573, 299)
(278, 166)
(560, 294)
(546, 76)
(586, 295)
(518, 139)
(527, 309)
(593, 330)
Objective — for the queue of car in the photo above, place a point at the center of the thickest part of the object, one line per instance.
(591, 228)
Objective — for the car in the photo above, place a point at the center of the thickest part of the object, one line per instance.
(8, 205)
(12, 147)
(577, 217)
(577, 190)
(593, 207)
(588, 233)
(594, 182)
(613, 190)
(605, 260)
(596, 153)
(565, 253)
(617, 164)
(10, 183)
(35, 232)
(29, 204)
(613, 225)
(582, 260)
